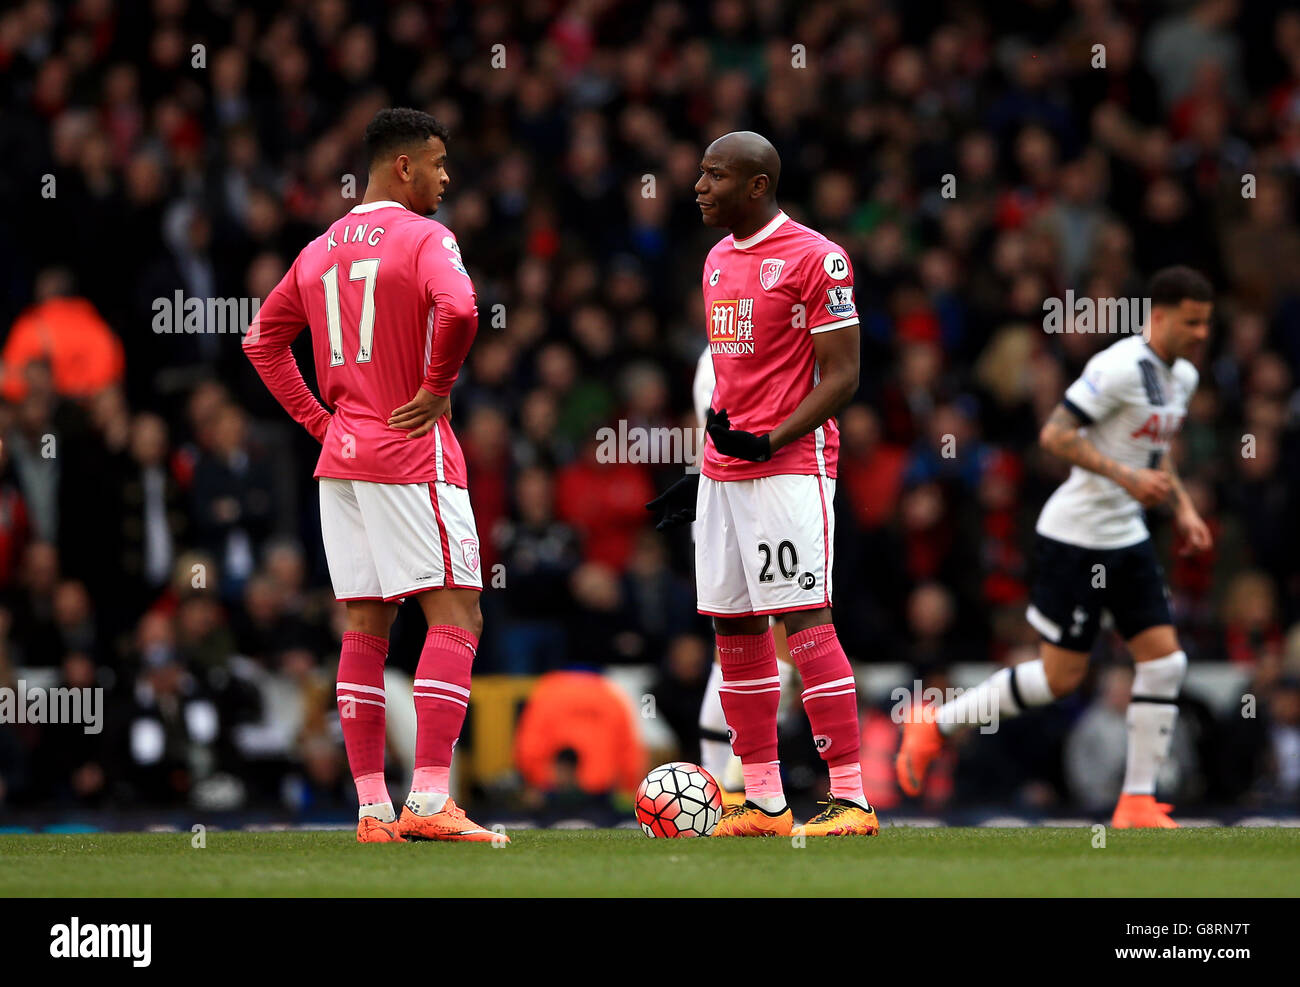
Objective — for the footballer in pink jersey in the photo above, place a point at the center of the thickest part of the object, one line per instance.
(783, 331)
(392, 313)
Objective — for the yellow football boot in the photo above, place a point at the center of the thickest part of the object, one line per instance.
(840, 818)
(747, 819)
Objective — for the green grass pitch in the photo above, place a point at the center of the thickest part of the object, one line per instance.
(1041, 862)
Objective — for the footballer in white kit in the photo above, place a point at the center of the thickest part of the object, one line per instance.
(1093, 553)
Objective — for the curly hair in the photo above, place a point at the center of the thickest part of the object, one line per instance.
(396, 129)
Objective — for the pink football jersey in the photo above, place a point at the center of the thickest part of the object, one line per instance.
(764, 298)
(391, 309)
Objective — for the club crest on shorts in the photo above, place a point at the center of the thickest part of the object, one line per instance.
(469, 547)
(769, 271)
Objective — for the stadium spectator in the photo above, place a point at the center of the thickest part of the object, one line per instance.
(583, 713)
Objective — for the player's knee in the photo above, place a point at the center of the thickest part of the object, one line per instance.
(1161, 676)
(473, 617)
(801, 620)
(465, 612)
(1153, 643)
(731, 626)
(1063, 678)
(370, 617)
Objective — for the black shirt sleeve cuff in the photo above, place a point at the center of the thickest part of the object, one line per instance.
(1075, 410)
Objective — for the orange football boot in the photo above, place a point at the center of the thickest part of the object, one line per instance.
(921, 744)
(372, 830)
(1142, 812)
(747, 819)
(840, 818)
(730, 799)
(449, 824)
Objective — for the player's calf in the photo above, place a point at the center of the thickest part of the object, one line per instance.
(751, 695)
(1152, 713)
(442, 684)
(360, 696)
(830, 698)
(1007, 692)
(715, 745)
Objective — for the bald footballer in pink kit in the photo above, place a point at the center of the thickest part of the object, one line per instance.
(392, 313)
(783, 333)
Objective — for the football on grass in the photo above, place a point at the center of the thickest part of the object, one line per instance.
(678, 799)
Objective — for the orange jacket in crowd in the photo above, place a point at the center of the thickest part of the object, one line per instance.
(84, 353)
(585, 712)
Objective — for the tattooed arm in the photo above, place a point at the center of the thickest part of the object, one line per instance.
(1060, 436)
(1195, 532)
(1178, 498)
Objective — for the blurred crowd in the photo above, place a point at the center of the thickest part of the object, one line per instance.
(159, 530)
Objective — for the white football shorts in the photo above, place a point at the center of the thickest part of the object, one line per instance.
(764, 546)
(384, 541)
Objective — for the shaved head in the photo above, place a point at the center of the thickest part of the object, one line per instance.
(737, 185)
(749, 154)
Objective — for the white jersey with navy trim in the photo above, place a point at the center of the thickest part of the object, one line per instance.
(1132, 404)
(702, 386)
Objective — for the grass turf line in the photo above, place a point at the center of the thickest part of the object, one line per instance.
(1040, 862)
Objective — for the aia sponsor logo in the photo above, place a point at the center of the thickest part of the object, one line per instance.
(1160, 427)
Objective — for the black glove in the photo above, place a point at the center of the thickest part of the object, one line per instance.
(733, 442)
(676, 505)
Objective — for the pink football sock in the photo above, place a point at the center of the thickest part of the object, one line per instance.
(435, 779)
(830, 699)
(751, 693)
(763, 780)
(360, 697)
(442, 680)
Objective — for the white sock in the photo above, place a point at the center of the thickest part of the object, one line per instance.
(715, 749)
(1150, 721)
(426, 803)
(383, 811)
(771, 803)
(1005, 693)
(785, 672)
(733, 778)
